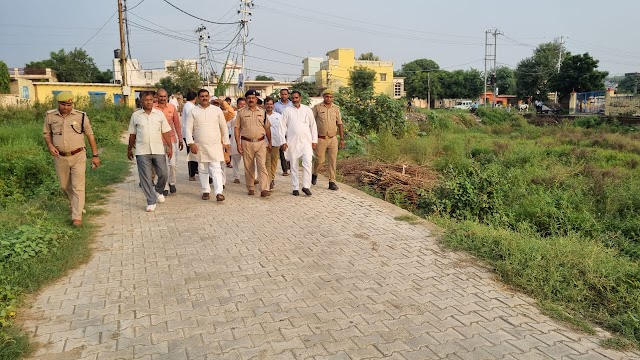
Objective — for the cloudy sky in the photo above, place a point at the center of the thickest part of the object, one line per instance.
(282, 33)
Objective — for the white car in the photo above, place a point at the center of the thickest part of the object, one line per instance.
(465, 105)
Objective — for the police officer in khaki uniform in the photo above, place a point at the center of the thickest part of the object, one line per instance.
(329, 124)
(253, 136)
(64, 131)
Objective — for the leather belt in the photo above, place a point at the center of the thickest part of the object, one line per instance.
(252, 140)
(326, 137)
(72, 152)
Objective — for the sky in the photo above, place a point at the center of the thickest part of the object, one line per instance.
(282, 33)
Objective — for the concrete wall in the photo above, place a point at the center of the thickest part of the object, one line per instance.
(621, 104)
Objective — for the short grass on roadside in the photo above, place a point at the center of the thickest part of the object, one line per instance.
(37, 242)
(555, 210)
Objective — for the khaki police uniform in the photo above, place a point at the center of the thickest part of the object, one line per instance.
(252, 125)
(327, 119)
(66, 134)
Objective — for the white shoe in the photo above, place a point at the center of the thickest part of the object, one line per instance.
(160, 198)
(151, 208)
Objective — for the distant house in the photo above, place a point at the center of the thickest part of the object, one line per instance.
(334, 73)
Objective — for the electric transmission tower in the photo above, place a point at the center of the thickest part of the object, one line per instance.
(245, 19)
(490, 63)
(203, 45)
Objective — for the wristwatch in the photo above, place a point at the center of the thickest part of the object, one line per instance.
(96, 155)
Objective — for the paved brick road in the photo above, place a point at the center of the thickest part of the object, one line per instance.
(331, 276)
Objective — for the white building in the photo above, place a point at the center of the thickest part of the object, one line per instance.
(137, 76)
(310, 66)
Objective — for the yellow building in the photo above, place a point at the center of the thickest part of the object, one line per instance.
(97, 93)
(334, 72)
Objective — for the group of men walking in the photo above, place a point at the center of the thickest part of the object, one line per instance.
(217, 136)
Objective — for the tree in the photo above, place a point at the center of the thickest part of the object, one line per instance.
(626, 84)
(578, 73)
(416, 78)
(533, 73)
(361, 78)
(506, 80)
(4, 78)
(74, 66)
(307, 88)
(264, 78)
(168, 84)
(105, 76)
(368, 56)
(182, 78)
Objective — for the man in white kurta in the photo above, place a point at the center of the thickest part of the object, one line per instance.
(206, 134)
(299, 124)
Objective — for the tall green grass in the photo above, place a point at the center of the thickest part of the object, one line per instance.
(556, 210)
(37, 243)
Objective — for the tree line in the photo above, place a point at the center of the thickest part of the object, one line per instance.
(533, 78)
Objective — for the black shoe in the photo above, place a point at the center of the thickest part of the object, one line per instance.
(165, 193)
(306, 191)
(296, 193)
(333, 186)
(172, 189)
(314, 179)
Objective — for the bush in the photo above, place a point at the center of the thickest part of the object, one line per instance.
(365, 112)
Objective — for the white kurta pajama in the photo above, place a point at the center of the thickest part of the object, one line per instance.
(299, 125)
(207, 128)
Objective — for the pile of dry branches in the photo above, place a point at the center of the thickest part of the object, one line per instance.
(388, 179)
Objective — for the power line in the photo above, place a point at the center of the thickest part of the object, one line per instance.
(97, 32)
(369, 31)
(386, 26)
(199, 18)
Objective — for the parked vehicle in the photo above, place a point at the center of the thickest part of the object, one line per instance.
(549, 109)
(465, 105)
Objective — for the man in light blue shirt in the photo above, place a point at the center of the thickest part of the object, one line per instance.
(279, 107)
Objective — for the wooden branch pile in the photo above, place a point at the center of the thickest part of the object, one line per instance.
(389, 179)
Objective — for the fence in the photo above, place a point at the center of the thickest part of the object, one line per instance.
(592, 102)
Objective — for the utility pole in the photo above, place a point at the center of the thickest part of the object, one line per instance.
(245, 15)
(429, 89)
(203, 38)
(560, 43)
(490, 45)
(123, 57)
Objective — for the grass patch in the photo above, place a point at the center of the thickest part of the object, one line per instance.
(555, 210)
(617, 343)
(411, 219)
(37, 242)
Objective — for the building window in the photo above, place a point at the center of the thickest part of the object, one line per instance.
(383, 77)
(148, 74)
(397, 89)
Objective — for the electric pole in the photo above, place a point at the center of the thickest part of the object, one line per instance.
(429, 89)
(560, 43)
(203, 38)
(123, 57)
(245, 19)
(490, 45)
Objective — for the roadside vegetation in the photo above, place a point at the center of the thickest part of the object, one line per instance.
(37, 243)
(555, 210)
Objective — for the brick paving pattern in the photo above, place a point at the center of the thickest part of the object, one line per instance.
(331, 276)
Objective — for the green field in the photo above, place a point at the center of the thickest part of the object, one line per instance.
(555, 210)
(37, 243)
